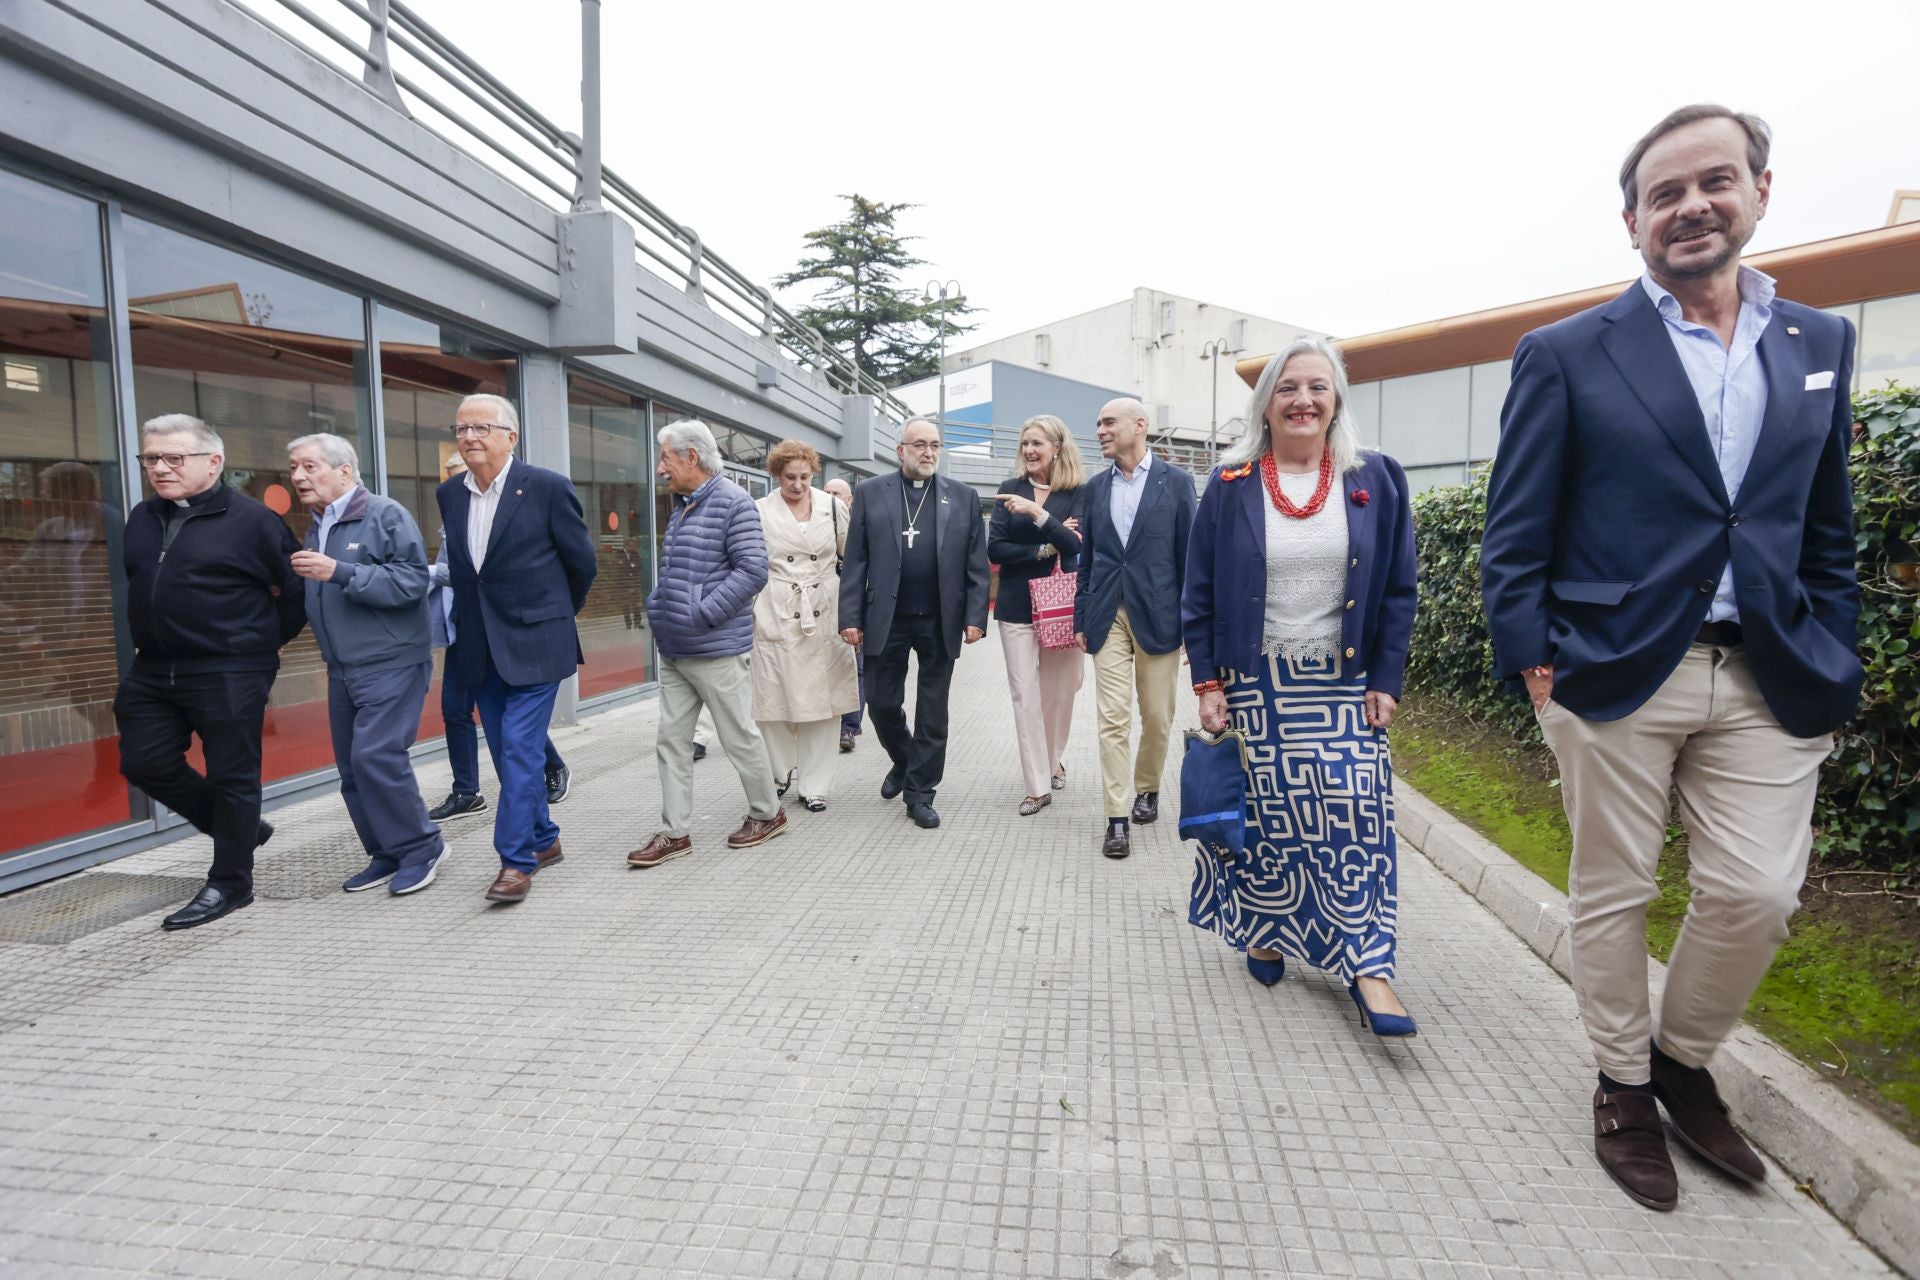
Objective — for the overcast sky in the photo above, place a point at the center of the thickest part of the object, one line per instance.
(1344, 167)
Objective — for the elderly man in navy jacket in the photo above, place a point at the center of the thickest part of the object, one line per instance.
(211, 598)
(1133, 564)
(522, 563)
(713, 562)
(1668, 565)
(366, 569)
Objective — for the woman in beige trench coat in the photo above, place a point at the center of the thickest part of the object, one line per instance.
(803, 676)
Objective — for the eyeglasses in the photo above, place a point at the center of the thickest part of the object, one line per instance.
(478, 430)
(923, 446)
(173, 460)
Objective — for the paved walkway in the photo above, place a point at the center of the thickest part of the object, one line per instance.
(862, 1050)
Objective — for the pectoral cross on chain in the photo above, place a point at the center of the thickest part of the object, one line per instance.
(909, 533)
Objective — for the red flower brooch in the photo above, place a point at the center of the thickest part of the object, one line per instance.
(1361, 497)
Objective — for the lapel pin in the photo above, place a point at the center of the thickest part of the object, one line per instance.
(518, 492)
(1792, 332)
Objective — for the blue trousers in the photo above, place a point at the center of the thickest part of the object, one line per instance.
(515, 717)
(375, 716)
(463, 737)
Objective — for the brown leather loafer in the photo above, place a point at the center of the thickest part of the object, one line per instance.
(758, 831)
(1632, 1147)
(662, 848)
(548, 856)
(1700, 1120)
(1146, 807)
(1119, 841)
(509, 886)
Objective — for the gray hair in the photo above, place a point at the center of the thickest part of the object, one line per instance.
(1343, 437)
(337, 450)
(678, 437)
(504, 412)
(918, 417)
(205, 438)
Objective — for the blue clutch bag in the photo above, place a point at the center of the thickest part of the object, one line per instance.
(1213, 792)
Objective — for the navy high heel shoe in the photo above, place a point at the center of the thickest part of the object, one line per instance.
(1267, 972)
(1382, 1024)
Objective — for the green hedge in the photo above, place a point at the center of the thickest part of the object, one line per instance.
(1869, 808)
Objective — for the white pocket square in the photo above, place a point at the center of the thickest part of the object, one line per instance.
(1820, 381)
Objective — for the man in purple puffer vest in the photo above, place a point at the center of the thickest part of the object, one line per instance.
(713, 562)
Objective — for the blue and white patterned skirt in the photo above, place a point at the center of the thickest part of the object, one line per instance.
(1318, 881)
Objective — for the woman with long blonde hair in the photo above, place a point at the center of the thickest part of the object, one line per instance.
(1035, 531)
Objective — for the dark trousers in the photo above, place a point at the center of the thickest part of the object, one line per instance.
(515, 717)
(375, 716)
(921, 757)
(463, 737)
(850, 722)
(158, 715)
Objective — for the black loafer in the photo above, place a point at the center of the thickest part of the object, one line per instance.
(1146, 807)
(207, 906)
(891, 784)
(1118, 842)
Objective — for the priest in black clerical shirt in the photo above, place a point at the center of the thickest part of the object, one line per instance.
(914, 581)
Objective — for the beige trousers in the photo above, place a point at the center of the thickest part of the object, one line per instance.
(810, 750)
(1043, 683)
(1122, 673)
(723, 687)
(1746, 791)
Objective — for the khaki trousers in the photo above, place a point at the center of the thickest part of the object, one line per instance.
(1746, 791)
(723, 687)
(1122, 672)
(810, 750)
(1043, 683)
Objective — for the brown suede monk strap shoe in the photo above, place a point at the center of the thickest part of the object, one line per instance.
(758, 831)
(509, 886)
(1632, 1147)
(1700, 1119)
(548, 856)
(662, 848)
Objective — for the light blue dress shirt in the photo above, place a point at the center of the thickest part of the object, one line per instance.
(330, 516)
(1123, 496)
(1731, 385)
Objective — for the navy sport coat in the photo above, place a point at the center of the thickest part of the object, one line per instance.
(1147, 573)
(1608, 523)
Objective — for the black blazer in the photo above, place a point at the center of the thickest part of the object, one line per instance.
(870, 574)
(1608, 523)
(1014, 543)
(519, 607)
(1148, 573)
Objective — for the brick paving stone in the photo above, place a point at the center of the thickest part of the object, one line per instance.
(862, 1049)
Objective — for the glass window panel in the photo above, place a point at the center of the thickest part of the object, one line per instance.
(1423, 417)
(62, 642)
(262, 355)
(1850, 311)
(1890, 343)
(612, 469)
(662, 417)
(426, 369)
(1421, 479)
(1490, 382)
(1365, 401)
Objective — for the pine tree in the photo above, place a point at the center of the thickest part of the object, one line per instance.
(892, 331)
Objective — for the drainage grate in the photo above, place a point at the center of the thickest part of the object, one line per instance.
(87, 904)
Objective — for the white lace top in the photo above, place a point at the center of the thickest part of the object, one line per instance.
(1306, 572)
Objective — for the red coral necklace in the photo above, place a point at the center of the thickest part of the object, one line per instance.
(1270, 472)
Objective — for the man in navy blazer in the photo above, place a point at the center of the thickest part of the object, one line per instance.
(1133, 564)
(521, 562)
(1669, 566)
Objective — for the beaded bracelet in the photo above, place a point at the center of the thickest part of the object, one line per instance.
(1206, 687)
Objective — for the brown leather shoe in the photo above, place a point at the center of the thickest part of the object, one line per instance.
(1119, 841)
(758, 831)
(1632, 1147)
(509, 886)
(1700, 1120)
(1146, 807)
(662, 848)
(548, 856)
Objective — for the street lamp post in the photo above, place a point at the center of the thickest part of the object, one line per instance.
(1213, 351)
(941, 291)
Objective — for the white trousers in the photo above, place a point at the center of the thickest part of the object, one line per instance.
(1043, 683)
(809, 750)
(1746, 791)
